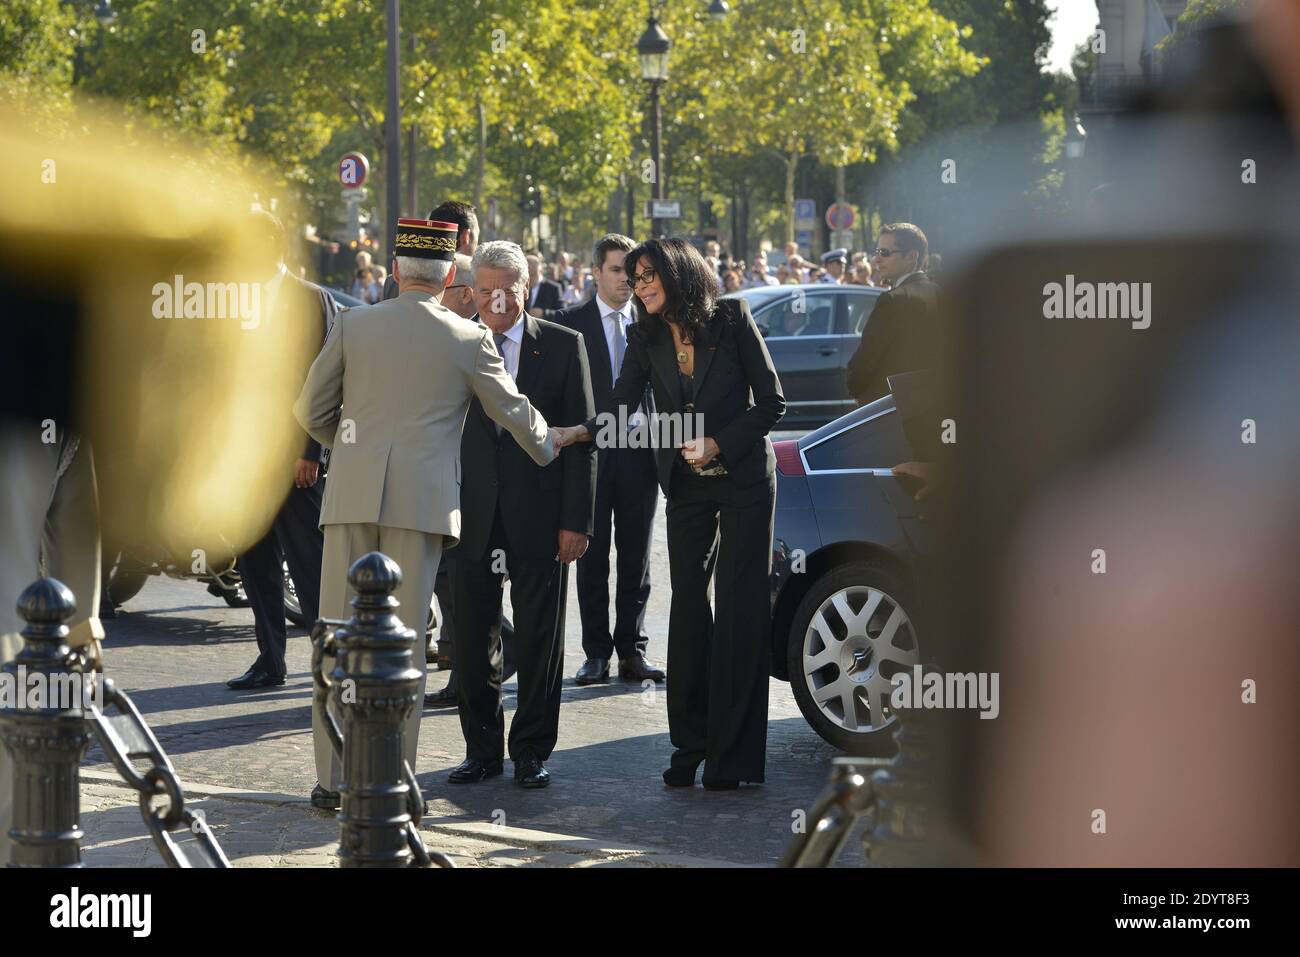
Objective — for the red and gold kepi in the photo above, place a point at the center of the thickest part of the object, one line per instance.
(426, 239)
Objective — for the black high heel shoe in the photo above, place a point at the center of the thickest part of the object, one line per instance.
(682, 775)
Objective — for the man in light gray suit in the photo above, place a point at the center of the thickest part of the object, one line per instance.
(388, 394)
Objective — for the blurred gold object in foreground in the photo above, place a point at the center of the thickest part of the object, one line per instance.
(185, 400)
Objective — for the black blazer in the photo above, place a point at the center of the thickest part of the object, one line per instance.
(902, 334)
(549, 295)
(585, 319)
(314, 305)
(535, 502)
(736, 389)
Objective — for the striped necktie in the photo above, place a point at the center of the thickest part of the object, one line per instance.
(500, 339)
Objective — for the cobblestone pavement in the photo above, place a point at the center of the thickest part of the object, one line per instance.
(174, 646)
(262, 829)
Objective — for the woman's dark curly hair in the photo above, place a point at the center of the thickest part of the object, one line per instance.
(690, 286)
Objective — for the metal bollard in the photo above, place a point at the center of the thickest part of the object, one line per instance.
(46, 743)
(374, 685)
(904, 796)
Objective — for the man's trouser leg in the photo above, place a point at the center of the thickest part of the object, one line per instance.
(263, 579)
(63, 518)
(27, 470)
(417, 554)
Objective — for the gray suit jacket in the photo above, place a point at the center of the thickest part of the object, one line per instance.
(388, 394)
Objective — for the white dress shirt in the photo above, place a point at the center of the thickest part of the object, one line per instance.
(510, 347)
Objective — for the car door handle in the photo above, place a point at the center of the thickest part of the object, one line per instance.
(826, 350)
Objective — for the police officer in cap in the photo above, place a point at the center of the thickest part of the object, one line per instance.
(834, 262)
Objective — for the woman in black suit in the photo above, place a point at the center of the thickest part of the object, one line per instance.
(707, 363)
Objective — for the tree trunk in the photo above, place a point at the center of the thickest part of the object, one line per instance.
(481, 159)
(744, 219)
(630, 182)
(559, 221)
(791, 167)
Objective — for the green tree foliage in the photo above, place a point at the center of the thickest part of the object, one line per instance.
(539, 103)
(831, 79)
(1000, 129)
(1196, 15)
(38, 43)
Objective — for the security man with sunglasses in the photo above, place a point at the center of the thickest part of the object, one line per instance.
(903, 333)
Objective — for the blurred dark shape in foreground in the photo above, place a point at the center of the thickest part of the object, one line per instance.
(1122, 528)
(130, 285)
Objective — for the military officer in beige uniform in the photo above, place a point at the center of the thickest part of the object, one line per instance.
(49, 511)
(388, 394)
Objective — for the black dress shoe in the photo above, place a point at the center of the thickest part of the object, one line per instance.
(593, 670)
(325, 800)
(637, 668)
(681, 773)
(472, 770)
(255, 678)
(443, 698)
(531, 773)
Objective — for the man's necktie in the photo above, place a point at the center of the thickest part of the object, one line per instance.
(500, 339)
(620, 342)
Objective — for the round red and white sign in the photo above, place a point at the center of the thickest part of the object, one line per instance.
(353, 169)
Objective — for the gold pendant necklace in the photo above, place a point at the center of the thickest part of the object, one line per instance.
(682, 357)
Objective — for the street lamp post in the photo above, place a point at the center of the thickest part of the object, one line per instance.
(392, 135)
(653, 49)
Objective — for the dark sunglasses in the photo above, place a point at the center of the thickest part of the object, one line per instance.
(885, 253)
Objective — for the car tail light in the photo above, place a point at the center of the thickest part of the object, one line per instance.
(788, 459)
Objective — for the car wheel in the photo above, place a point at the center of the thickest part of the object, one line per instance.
(852, 632)
(292, 607)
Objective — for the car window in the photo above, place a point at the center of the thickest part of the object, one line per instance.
(860, 306)
(878, 443)
(803, 314)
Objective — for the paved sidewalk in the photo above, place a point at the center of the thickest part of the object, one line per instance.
(264, 829)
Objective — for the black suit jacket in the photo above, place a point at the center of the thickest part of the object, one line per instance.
(549, 295)
(536, 502)
(307, 302)
(585, 319)
(902, 334)
(736, 389)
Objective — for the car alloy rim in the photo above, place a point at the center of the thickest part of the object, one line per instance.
(858, 639)
(290, 592)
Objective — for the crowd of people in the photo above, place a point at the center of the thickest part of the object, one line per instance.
(451, 423)
(567, 281)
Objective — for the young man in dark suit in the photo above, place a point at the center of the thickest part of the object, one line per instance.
(903, 332)
(523, 520)
(294, 536)
(627, 493)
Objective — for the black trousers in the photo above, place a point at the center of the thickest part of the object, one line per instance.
(718, 661)
(504, 630)
(538, 587)
(295, 537)
(627, 494)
